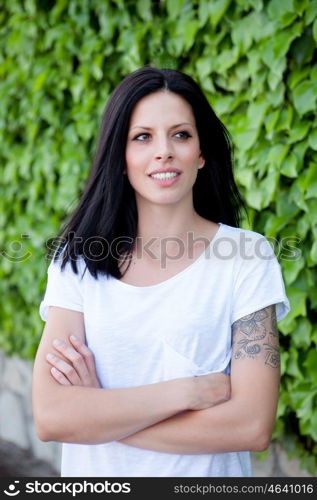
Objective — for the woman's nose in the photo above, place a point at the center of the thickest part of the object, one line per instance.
(164, 151)
(164, 156)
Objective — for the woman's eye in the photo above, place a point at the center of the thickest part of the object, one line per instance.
(141, 137)
(183, 134)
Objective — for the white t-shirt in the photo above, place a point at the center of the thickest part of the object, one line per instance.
(178, 328)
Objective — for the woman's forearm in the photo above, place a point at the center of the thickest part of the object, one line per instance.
(90, 415)
(223, 428)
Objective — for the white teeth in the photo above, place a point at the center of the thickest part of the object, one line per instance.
(164, 175)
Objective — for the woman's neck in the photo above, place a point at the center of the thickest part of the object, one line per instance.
(167, 221)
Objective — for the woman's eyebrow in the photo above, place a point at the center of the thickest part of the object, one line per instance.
(172, 127)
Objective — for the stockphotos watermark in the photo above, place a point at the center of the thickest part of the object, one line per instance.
(73, 488)
(97, 248)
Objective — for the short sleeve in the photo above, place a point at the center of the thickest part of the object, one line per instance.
(259, 282)
(63, 289)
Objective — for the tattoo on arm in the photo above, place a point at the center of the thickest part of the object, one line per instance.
(256, 335)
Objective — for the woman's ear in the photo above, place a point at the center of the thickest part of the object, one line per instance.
(201, 161)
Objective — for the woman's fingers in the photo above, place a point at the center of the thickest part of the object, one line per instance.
(59, 377)
(76, 359)
(79, 358)
(87, 355)
(64, 369)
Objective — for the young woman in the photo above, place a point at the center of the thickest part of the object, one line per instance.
(159, 356)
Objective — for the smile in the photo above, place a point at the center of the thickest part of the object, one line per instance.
(165, 178)
(165, 175)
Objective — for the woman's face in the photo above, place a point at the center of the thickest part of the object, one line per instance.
(163, 152)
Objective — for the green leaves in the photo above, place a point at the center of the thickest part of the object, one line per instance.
(174, 8)
(217, 10)
(283, 11)
(304, 97)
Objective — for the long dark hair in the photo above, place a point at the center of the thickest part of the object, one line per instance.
(103, 227)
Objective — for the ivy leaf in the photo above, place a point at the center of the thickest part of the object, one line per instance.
(276, 97)
(217, 10)
(190, 29)
(302, 333)
(273, 225)
(304, 97)
(310, 12)
(312, 187)
(303, 48)
(285, 207)
(241, 33)
(174, 8)
(312, 426)
(273, 51)
(204, 67)
(314, 334)
(245, 176)
(277, 9)
(203, 13)
(294, 368)
(270, 121)
(226, 59)
(290, 166)
(311, 364)
(297, 300)
(268, 186)
(298, 394)
(312, 139)
(277, 154)
(256, 112)
(312, 211)
(144, 9)
(302, 226)
(292, 268)
(254, 197)
(298, 75)
(246, 138)
(285, 118)
(315, 30)
(313, 252)
(298, 131)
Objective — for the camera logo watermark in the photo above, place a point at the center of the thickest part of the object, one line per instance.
(12, 490)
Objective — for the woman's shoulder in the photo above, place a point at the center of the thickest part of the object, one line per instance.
(242, 233)
(221, 228)
(72, 268)
(242, 230)
(247, 241)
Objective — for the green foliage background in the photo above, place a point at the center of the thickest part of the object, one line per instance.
(256, 62)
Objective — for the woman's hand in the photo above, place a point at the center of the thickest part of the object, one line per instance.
(209, 390)
(76, 366)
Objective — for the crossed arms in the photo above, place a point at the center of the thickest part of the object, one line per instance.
(185, 416)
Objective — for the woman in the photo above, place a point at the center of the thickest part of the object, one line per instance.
(155, 296)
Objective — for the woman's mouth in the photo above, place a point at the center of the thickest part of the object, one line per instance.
(165, 178)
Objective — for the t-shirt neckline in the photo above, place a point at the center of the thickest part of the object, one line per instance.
(181, 273)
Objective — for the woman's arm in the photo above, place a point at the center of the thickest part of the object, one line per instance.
(79, 414)
(246, 421)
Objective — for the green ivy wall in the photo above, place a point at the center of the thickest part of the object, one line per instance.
(256, 62)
